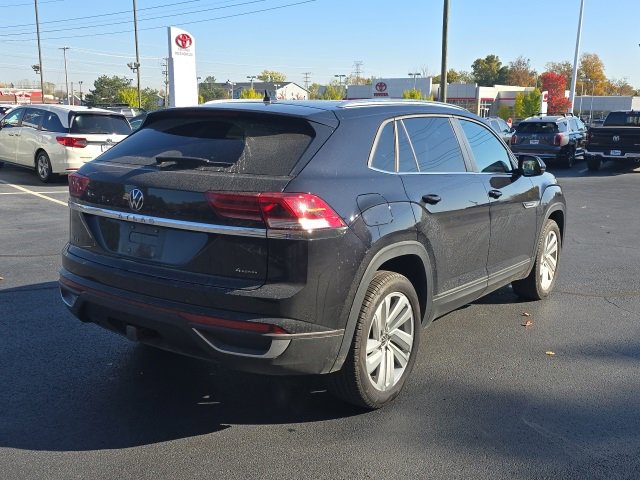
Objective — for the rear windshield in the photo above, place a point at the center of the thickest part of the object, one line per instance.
(537, 127)
(622, 119)
(87, 123)
(251, 144)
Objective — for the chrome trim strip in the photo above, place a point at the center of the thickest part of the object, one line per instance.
(167, 222)
(276, 349)
(532, 204)
(460, 288)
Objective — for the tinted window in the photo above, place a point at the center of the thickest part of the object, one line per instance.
(574, 124)
(384, 155)
(88, 123)
(537, 127)
(258, 145)
(51, 123)
(32, 118)
(434, 145)
(622, 119)
(407, 160)
(13, 118)
(503, 126)
(488, 152)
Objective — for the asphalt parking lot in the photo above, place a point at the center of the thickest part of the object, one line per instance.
(484, 400)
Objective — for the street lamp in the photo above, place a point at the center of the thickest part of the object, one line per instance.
(135, 68)
(593, 91)
(251, 78)
(231, 84)
(80, 83)
(340, 77)
(276, 86)
(414, 75)
(66, 77)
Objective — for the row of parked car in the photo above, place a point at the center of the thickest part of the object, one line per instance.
(555, 138)
(58, 139)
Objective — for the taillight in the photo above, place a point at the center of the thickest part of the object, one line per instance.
(78, 185)
(557, 140)
(289, 211)
(76, 142)
(514, 139)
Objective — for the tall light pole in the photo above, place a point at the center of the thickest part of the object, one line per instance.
(574, 75)
(251, 79)
(593, 92)
(137, 63)
(39, 51)
(340, 77)
(582, 95)
(414, 75)
(443, 67)
(80, 83)
(66, 77)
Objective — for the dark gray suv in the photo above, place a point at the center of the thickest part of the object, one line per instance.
(306, 237)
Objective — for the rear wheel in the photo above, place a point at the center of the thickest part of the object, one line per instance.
(542, 278)
(570, 157)
(593, 164)
(384, 346)
(43, 167)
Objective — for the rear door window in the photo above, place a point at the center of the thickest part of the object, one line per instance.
(250, 144)
(91, 123)
(32, 118)
(385, 148)
(51, 123)
(433, 146)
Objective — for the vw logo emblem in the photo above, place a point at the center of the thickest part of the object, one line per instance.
(183, 40)
(136, 199)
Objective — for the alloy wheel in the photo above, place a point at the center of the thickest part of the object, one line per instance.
(549, 260)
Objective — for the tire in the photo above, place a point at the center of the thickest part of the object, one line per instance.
(593, 164)
(43, 167)
(570, 157)
(385, 347)
(540, 282)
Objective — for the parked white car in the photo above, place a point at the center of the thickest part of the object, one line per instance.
(58, 139)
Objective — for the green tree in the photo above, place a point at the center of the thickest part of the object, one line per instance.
(333, 91)
(272, 76)
(415, 94)
(531, 103)
(505, 112)
(128, 95)
(250, 93)
(489, 71)
(148, 97)
(209, 90)
(518, 106)
(314, 90)
(105, 90)
(455, 76)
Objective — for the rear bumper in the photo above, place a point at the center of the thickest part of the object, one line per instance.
(542, 152)
(239, 341)
(633, 156)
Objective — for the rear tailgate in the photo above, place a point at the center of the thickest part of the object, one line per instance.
(619, 140)
(146, 205)
(535, 133)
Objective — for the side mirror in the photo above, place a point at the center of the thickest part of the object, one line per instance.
(531, 166)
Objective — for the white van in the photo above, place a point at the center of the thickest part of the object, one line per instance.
(58, 139)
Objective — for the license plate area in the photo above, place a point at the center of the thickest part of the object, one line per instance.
(141, 241)
(534, 142)
(615, 153)
(106, 146)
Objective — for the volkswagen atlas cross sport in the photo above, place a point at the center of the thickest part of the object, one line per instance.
(306, 237)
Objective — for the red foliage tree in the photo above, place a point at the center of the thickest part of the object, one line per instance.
(555, 84)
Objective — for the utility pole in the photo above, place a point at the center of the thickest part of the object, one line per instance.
(80, 83)
(66, 77)
(443, 69)
(72, 94)
(357, 66)
(306, 80)
(574, 75)
(251, 79)
(165, 72)
(137, 64)
(39, 51)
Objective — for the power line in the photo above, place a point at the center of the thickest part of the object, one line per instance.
(109, 24)
(29, 4)
(170, 16)
(99, 14)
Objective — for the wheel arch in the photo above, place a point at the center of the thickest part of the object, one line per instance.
(408, 258)
(35, 155)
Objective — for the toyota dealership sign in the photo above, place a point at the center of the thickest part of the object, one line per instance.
(183, 82)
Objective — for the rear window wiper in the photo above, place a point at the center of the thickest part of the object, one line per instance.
(191, 161)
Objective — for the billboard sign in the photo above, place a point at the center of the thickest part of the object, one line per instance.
(183, 81)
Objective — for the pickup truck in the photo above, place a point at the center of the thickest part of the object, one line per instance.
(618, 139)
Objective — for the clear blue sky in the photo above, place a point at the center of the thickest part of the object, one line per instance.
(324, 37)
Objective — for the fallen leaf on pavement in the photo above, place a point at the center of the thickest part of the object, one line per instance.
(528, 323)
(525, 314)
(550, 353)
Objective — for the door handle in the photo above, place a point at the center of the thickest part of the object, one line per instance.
(431, 198)
(495, 193)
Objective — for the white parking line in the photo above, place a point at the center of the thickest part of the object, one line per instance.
(50, 192)
(26, 190)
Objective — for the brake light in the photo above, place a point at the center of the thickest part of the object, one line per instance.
(78, 185)
(289, 211)
(557, 140)
(514, 139)
(75, 142)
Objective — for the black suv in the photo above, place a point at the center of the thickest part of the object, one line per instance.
(307, 237)
(556, 137)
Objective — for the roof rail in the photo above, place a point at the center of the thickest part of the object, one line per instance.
(376, 103)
